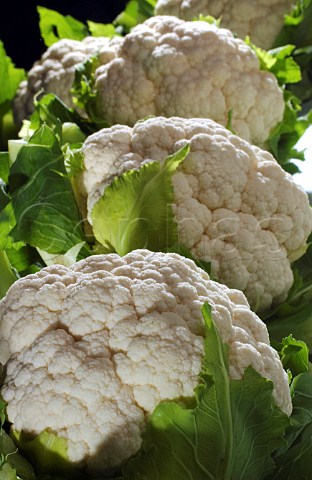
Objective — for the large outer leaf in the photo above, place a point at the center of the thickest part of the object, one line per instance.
(284, 136)
(7, 472)
(10, 78)
(54, 26)
(4, 166)
(48, 453)
(11, 462)
(135, 210)
(101, 29)
(294, 316)
(8, 277)
(230, 434)
(297, 31)
(294, 463)
(294, 355)
(292, 320)
(43, 200)
(136, 11)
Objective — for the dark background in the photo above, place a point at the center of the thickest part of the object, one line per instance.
(19, 21)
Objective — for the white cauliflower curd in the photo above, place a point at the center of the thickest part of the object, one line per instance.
(54, 72)
(92, 349)
(169, 67)
(261, 20)
(233, 204)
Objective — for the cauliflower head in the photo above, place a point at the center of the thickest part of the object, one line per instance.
(169, 67)
(233, 204)
(261, 20)
(95, 347)
(54, 72)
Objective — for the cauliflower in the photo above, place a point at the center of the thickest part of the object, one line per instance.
(261, 20)
(233, 204)
(170, 67)
(95, 347)
(55, 71)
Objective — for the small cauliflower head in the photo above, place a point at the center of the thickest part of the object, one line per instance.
(95, 347)
(233, 204)
(169, 67)
(261, 20)
(55, 71)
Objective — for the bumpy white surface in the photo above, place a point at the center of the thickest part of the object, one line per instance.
(261, 20)
(54, 72)
(170, 67)
(98, 345)
(234, 205)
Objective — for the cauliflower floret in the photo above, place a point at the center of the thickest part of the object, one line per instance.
(233, 204)
(55, 71)
(261, 20)
(95, 347)
(170, 67)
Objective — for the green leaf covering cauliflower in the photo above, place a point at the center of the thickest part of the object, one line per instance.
(92, 349)
(170, 67)
(261, 20)
(234, 206)
(55, 71)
